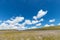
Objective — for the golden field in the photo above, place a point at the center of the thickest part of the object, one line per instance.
(32, 34)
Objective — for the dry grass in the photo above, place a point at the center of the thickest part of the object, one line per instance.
(30, 35)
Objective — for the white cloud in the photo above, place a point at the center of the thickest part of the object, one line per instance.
(58, 23)
(16, 26)
(22, 25)
(37, 21)
(34, 27)
(34, 17)
(52, 20)
(11, 24)
(34, 21)
(6, 26)
(52, 25)
(14, 23)
(41, 20)
(47, 25)
(28, 22)
(16, 20)
(40, 14)
(39, 24)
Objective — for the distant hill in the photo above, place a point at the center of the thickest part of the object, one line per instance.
(47, 28)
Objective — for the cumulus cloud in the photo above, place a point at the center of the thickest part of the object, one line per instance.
(35, 17)
(33, 27)
(39, 24)
(40, 14)
(6, 26)
(28, 22)
(14, 23)
(34, 21)
(21, 26)
(52, 20)
(47, 25)
(37, 21)
(36, 26)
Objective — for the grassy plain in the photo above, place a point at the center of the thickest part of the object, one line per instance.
(47, 33)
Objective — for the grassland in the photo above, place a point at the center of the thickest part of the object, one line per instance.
(33, 34)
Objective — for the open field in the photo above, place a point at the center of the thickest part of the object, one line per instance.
(30, 35)
(46, 33)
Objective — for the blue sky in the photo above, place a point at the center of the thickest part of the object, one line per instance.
(29, 8)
